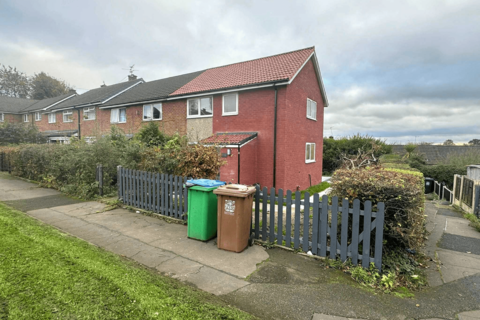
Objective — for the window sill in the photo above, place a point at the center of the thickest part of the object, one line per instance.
(118, 122)
(67, 121)
(89, 119)
(229, 114)
(309, 118)
(51, 122)
(148, 120)
(199, 117)
(310, 161)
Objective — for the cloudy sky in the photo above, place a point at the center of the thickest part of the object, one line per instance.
(400, 70)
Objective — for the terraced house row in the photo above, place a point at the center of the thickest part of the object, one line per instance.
(265, 114)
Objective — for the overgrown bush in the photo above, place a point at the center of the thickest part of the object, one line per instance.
(402, 192)
(441, 173)
(15, 133)
(151, 135)
(333, 149)
(71, 167)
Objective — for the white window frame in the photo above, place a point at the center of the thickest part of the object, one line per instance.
(25, 117)
(159, 106)
(52, 115)
(38, 116)
(68, 113)
(199, 110)
(309, 108)
(309, 145)
(2, 117)
(234, 113)
(117, 120)
(89, 110)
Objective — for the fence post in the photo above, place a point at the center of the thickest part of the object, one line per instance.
(476, 208)
(100, 179)
(119, 182)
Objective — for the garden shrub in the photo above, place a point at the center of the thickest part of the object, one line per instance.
(334, 148)
(14, 133)
(441, 173)
(402, 191)
(151, 135)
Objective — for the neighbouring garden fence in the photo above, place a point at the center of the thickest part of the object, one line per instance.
(161, 193)
(467, 194)
(441, 190)
(324, 229)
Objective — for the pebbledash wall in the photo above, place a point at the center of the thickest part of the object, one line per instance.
(294, 130)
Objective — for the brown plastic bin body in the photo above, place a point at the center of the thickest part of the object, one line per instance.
(234, 216)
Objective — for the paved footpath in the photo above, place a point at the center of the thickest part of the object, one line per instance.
(271, 284)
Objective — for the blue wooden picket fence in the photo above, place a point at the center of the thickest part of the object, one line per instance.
(322, 228)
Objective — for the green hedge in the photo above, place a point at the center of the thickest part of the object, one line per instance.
(441, 173)
(402, 191)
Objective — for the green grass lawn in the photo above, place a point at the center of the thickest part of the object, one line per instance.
(45, 274)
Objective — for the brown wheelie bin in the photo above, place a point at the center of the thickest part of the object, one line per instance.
(234, 216)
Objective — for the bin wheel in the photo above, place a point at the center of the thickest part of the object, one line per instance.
(251, 240)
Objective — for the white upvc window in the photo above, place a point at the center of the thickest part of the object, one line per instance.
(52, 117)
(67, 116)
(89, 113)
(2, 117)
(230, 104)
(309, 152)
(25, 117)
(311, 109)
(152, 112)
(200, 107)
(118, 115)
(38, 116)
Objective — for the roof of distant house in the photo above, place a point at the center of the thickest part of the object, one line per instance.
(49, 102)
(277, 68)
(232, 138)
(97, 96)
(14, 105)
(152, 90)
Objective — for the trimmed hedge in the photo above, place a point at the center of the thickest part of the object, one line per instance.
(441, 173)
(402, 191)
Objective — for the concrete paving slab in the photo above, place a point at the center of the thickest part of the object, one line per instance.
(106, 239)
(460, 227)
(47, 215)
(449, 213)
(31, 193)
(81, 208)
(127, 247)
(179, 267)
(70, 224)
(456, 265)
(319, 316)
(12, 183)
(147, 234)
(42, 202)
(91, 231)
(460, 243)
(469, 315)
(152, 257)
(214, 281)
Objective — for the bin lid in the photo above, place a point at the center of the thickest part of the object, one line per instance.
(235, 190)
(204, 189)
(206, 183)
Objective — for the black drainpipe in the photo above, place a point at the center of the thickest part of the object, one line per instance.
(275, 140)
(238, 164)
(79, 133)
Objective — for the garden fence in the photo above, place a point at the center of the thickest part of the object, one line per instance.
(161, 193)
(324, 229)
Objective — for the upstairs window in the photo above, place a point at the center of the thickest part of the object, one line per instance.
(38, 116)
(230, 104)
(118, 115)
(89, 113)
(52, 117)
(2, 117)
(25, 117)
(311, 109)
(152, 112)
(310, 152)
(67, 116)
(201, 107)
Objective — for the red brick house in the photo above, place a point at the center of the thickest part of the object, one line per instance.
(266, 115)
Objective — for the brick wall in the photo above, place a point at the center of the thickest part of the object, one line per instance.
(295, 130)
(229, 171)
(43, 124)
(248, 163)
(11, 118)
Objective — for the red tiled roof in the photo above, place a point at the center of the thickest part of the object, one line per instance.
(268, 69)
(229, 138)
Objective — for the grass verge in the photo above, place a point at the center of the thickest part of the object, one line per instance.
(46, 274)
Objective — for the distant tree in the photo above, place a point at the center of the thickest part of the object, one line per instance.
(44, 86)
(13, 83)
(474, 142)
(448, 142)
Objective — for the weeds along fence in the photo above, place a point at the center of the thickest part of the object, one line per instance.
(161, 193)
(322, 228)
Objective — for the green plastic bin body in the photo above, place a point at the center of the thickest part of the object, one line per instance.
(202, 213)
